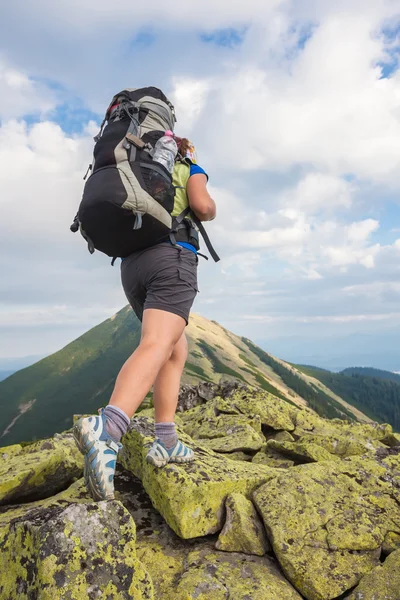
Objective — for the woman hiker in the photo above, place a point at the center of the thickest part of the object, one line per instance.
(161, 285)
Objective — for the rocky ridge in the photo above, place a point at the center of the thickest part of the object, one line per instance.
(280, 504)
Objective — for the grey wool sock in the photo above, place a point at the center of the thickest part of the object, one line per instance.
(117, 422)
(166, 433)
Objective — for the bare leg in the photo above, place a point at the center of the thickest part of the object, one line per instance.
(166, 386)
(161, 331)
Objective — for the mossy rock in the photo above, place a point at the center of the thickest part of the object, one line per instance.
(301, 452)
(240, 456)
(308, 423)
(149, 412)
(382, 583)
(272, 411)
(10, 451)
(341, 445)
(239, 438)
(222, 425)
(327, 522)
(85, 551)
(214, 418)
(189, 496)
(272, 459)
(243, 531)
(74, 494)
(281, 436)
(40, 470)
(391, 543)
(392, 440)
(180, 569)
(212, 575)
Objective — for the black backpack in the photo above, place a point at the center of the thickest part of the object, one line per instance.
(128, 199)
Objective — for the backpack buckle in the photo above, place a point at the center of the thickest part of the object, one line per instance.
(136, 141)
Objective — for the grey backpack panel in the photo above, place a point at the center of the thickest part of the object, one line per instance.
(128, 199)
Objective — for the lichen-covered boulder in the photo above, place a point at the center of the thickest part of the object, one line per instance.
(195, 395)
(392, 440)
(189, 496)
(86, 551)
(75, 493)
(281, 436)
(391, 542)
(243, 530)
(210, 575)
(240, 456)
(149, 413)
(39, 470)
(239, 438)
(301, 452)
(340, 445)
(273, 412)
(194, 569)
(215, 418)
(327, 522)
(307, 423)
(8, 452)
(372, 431)
(222, 425)
(272, 459)
(382, 583)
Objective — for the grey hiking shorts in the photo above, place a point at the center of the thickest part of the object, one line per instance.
(162, 277)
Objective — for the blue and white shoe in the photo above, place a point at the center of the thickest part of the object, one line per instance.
(159, 455)
(100, 453)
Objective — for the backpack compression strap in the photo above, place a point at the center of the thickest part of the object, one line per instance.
(206, 239)
(178, 222)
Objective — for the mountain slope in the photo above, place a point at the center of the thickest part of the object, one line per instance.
(41, 399)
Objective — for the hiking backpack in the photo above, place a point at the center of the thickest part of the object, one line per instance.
(128, 199)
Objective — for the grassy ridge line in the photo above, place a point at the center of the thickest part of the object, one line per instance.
(323, 404)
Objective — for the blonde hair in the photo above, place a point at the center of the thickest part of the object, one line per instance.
(184, 146)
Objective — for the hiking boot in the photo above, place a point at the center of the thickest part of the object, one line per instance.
(159, 455)
(100, 453)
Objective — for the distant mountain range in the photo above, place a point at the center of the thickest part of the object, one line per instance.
(40, 400)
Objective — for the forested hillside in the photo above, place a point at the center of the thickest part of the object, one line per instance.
(371, 372)
(376, 397)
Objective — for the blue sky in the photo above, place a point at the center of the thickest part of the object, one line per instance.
(300, 135)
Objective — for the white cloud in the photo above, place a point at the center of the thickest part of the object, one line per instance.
(40, 181)
(189, 97)
(325, 107)
(320, 192)
(358, 232)
(20, 94)
(301, 138)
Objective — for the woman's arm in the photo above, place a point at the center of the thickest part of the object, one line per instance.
(200, 200)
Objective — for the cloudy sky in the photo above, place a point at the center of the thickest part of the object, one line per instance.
(294, 107)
